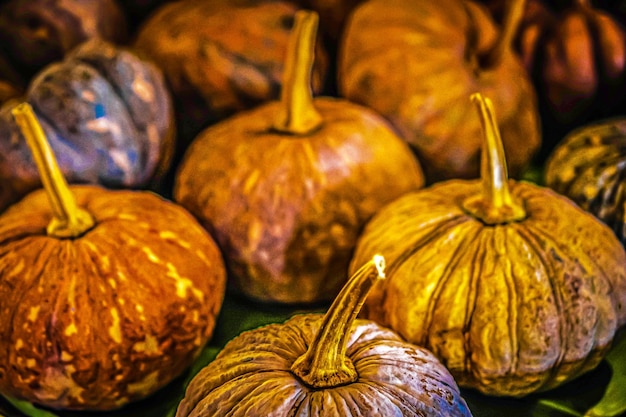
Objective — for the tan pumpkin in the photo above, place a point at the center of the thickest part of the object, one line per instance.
(514, 287)
(221, 56)
(417, 61)
(106, 295)
(325, 366)
(285, 188)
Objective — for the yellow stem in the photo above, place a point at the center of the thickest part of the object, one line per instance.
(495, 204)
(298, 115)
(510, 25)
(68, 220)
(325, 363)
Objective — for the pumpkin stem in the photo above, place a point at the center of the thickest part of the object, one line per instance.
(510, 25)
(495, 204)
(298, 115)
(68, 220)
(325, 363)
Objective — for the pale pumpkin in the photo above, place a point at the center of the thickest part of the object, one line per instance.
(107, 114)
(285, 188)
(107, 296)
(512, 286)
(416, 62)
(325, 366)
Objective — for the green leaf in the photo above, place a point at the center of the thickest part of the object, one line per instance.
(613, 403)
(28, 408)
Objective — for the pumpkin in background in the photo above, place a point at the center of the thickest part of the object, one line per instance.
(34, 33)
(417, 61)
(325, 366)
(83, 324)
(107, 114)
(589, 167)
(221, 56)
(285, 188)
(512, 286)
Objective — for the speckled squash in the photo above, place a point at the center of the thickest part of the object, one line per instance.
(329, 365)
(417, 61)
(512, 286)
(106, 295)
(285, 188)
(107, 114)
(35, 33)
(589, 167)
(222, 56)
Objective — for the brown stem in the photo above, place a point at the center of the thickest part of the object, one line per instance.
(510, 25)
(495, 204)
(325, 363)
(298, 115)
(68, 220)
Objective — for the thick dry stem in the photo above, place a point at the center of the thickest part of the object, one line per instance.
(325, 363)
(494, 205)
(298, 115)
(68, 219)
(510, 25)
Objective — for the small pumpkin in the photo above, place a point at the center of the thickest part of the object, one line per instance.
(511, 285)
(286, 187)
(106, 112)
(222, 56)
(325, 365)
(588, 166)
(35, 33)
(106, 295)
(417, 61)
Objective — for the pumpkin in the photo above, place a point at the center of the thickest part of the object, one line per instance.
(83, 324)
(286, 187)
(333, 15)
(417, 61)
(588, 167)
(106, 112)
(576, 55)
(34, 33)
(221, 56)
(511, 285)
(325, 365)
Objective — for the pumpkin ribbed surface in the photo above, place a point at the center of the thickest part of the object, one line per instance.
(509, 308)
(252, 377)
(109, 317)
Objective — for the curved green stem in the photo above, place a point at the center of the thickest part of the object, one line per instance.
(510, 25)
(325, 363)
(68, 219)
(495, 204)
(298, 115)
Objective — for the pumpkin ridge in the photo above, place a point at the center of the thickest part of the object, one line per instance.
(514, 299)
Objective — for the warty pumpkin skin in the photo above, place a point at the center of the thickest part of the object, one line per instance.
(285, 188)
(325, 366)
(107, 295)
(513, 298)
(588, 167)
(108, 115)
(416, 62)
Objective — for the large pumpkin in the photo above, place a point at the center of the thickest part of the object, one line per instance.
(285, 188)
(107, 114)
(588, 166)
(417, 61)
(106, 295)
(325, 366)
(514, 287)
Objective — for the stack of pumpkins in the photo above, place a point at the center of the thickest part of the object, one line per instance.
(233, 149)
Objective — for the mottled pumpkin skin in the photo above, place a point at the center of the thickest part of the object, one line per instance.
(416, 62)
(588, 166)
(252, 377)
(286, 210)
(94, 322)
(35, 33)
(510, 309)
(222, 56)
(107, 114)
